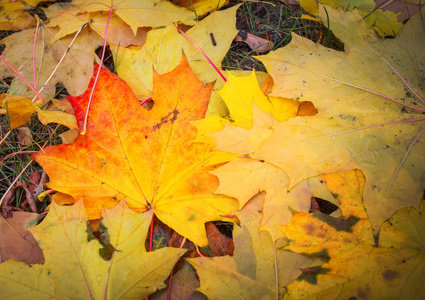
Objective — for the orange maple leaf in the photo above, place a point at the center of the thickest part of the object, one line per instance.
(146, 157)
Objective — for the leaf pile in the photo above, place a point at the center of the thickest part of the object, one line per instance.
(344, 127)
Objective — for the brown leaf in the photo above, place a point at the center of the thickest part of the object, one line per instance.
(403, 8)
(68, 137)
(6, 209)
(256, 43)
(220, 245)
(28, 195)
(24, 136)
(16, 242)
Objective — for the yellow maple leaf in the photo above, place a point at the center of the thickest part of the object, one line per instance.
(74, 72)
(369, 116)
(73, 266)
(259, 267)
(350, 264)
(147, 13)
(163, 50)
(14, 16)
(385, 23)
(20, 110)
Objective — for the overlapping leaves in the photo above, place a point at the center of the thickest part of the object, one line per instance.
(348, 262)
(146, 157)
(366, 119)
(74, 267)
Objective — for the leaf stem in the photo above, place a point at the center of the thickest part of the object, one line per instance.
(22, 78)
(398, 74)
(369, 91)
(84, 131)
(61, 60)
(404, 158)
(366, 127)
(11, 154)
(203, 53)
(33, 52)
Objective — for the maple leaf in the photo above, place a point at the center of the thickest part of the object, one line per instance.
(243, 178)
(14, 16)
(367, 117)
(135, 64)
(16, 242)
(385, 23)
(201, 7)
(258, 269)
(183, 286)
(355, 267)
(147, 13)
(119, 33)
(132, 15)
(243, 132)
(74, 72)
(147, 157)
(74, 267)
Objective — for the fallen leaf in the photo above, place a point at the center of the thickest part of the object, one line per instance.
(62, 105)
(69, 21)
(69, 136)
(242, 178)
(74, 267)
(16, 242)
(359, 124)
(20, 110)
(183, 286)
(256, 43)
(201, 7)
(258, 269)
(63, 199)
(74, 72)
(403, 9)
(135, 65)
(14, 15)
(354, 266)
(119, 33)
(385, 23)
(220, 244)
(147, 157)
(147, 13)
(243, 133)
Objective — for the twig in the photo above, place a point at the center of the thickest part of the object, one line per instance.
(203, 53)
(28, 195)
(22, 78)
(14, 182)
(61, 60)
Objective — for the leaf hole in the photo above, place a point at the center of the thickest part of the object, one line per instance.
(322, 205)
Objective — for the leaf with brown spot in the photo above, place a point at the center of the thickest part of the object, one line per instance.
(149, 158)
(350, 264)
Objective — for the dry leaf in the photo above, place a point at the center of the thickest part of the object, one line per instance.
(69, 136)
(14, 15)
(258, 269)
(16, 242)
(24, 136)
(256, 43)
(147, 157)
(74, 267)
(348, 263)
